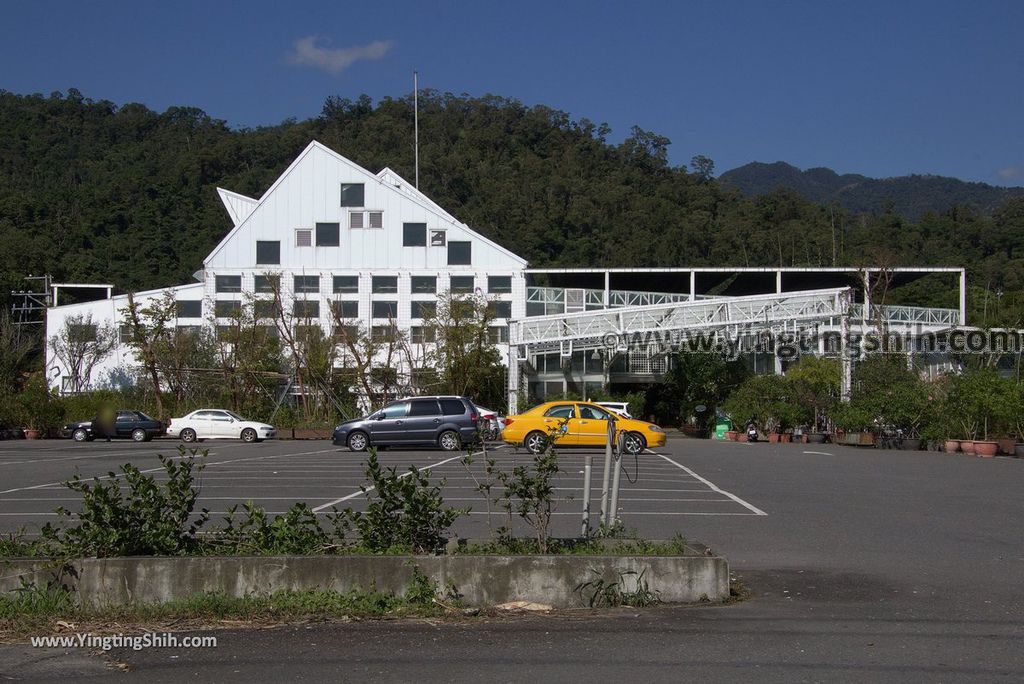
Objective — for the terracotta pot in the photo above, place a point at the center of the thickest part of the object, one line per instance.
(731, 435)
(32, 434)
(773, 438)
(967, 446)
(952, 446)
(785, 438)
(986, 449)
(741, 437)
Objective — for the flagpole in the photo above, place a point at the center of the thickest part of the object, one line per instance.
(416, 125)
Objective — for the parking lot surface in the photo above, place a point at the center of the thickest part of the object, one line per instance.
(864, 565)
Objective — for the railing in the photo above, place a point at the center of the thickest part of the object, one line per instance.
(908, 315)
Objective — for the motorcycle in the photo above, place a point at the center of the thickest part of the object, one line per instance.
(751, 433)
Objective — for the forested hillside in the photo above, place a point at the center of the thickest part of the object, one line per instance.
(93, 191)
(910, 196)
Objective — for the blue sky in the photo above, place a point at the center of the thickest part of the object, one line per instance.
(878, 88)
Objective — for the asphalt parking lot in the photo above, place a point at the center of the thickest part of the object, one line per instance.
(864, 565)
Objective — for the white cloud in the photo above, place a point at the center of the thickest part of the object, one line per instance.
(1009, 173)
(308, 52)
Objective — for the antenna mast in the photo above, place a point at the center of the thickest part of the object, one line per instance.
(416, 120)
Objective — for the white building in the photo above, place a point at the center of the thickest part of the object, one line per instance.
(380, 250)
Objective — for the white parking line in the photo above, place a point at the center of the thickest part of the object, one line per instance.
(712, 485)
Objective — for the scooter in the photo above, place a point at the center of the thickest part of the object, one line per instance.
(751, 433)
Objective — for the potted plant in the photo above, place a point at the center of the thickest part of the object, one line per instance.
(978, 399)
(814, 389)
(38, 408)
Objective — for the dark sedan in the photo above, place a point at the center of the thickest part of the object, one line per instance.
(133, 425)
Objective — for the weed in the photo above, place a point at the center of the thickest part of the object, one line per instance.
(610, 594)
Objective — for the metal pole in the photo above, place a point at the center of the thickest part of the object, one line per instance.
(613, 519)
(588, 468)
(416, 119)
(607, 471)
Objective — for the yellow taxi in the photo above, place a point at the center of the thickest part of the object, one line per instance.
(577, 423)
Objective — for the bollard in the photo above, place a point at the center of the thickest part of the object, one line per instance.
(607, 471)
(613, 519)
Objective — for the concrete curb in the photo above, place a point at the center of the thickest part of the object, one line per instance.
(481, 580)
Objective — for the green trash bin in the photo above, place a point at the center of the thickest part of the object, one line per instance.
(722, 425)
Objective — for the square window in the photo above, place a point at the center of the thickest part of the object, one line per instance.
(460, 253)
(352, 195)
(306, 309)
(268, 252)
(462, 284)
(264, 308)
(424, 284)
(345, 309)
(497, 334)
(500, 309)
(328, 235)
(303, 237)
(384, 333)
(189, 309)
(414, 234)
(385, 284)
(346, 333)
(355, 219)
(422, 309)
(226, 309)
(266, 284)
(422, 334)
(307, 284)
(438, 238)
(228, 283)
(346, 284)
(376, 219)
(499, 284)
(385, 309)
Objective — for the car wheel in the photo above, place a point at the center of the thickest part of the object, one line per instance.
(635, 443)
(188, 435)
(138, 435)
(536, 442)
(449, 440)
(357, 441)
(80, 435)
(249, 435)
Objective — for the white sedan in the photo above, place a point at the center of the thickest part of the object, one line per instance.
(491, 423)
(218, 424)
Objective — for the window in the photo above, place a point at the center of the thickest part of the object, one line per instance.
(385, 284)
(452, 407)
(228, 283)
(563, 411)
(346, 333)
(422, 309)
(397, 410)
(124, 333)
(306, 309)
(267, 283)
(226, 309)
(376, 219)
(383, 333)
(462, 284)
(303, 237)
(500, 309)
(592, 413)
(328, 234)
(424, 407)
(306, 334)
(385, 309)
(189, 308)
(497, 334)
(438, 238)
(264, 308)
(352, 195)
(414, 234)
(421, 334)
(424, 284)
(345, 309)
(83, 332)
(499, 284)
(460, 253)
(268, 252)
(307, 284)
(355, 219)
(366, 219)
(346, 284)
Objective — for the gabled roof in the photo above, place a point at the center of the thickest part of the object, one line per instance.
(386, 178)
(238, 206)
